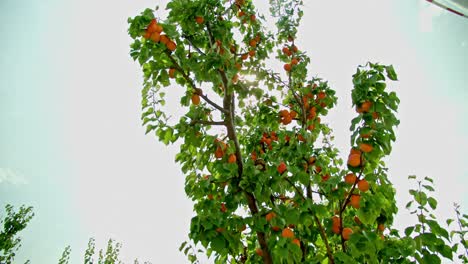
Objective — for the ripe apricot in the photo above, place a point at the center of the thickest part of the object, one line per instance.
(355, 200)
(253, 155)
(346, 233)
(171, 45)
(336, 226)
(155, 36)
(318, 169)
(293, 114)
(251, 53)
(311, 127)
(259, 252)
(158, 28)
(282, 168)
(219, 153)
(257, 38)
(276, 228)
(253, 18)
(286, 51)
(375, 115)
(381, 227)
(241, 14)
(367, 135)
(287, 67)
(244, 56)
(270, 216)
(286, 120)
(294, 61)
(325, 177)
(232, 158)
(363, 185)
(364, 147)
(294, 48)
(253, 43)
(297, 242)
(350, 178)
(199, 20)
(355, 151)
(301, 138)
(152, 26)
(365, 107)
(287, 233)
(219, 229)
(312, 160)
(223, 207)
(195, 99)
(321, 95)
(283, 113)
(172, 72)
(354, 160)
(164, 39)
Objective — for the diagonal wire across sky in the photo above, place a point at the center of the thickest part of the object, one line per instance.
(458, 7)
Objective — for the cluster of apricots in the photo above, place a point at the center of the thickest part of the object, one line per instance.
(221, 148)
(355, 158)
(265, 143)
(286, 232)
(289, 51)
(242, 15)
(286, 116)
(336, 228)
(154, 33)
(311, 103)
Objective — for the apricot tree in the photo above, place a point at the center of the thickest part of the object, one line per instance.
(268, 185)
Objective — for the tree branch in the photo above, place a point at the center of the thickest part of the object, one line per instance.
(192, 84)
(211, 123)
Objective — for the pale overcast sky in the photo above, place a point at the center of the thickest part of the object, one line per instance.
(73, 147)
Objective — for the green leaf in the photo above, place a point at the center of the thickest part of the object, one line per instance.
(409, 230)
(182, 246)
(391, 74)
(432, 203)
(218, 243)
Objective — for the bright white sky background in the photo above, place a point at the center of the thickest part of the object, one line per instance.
(72, 144)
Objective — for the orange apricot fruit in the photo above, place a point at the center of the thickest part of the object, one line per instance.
(366, 106)
(270, 216)
(287, 233)
(350, 178)
(346, 233)
(172, 72)
(219, 153)
(199, 20)
(336, 226)
(354, 160)
(366, 148)
(282, 168)
(164, 39)
(297, 242)
(155, 36)
(232, 158)
(171, 45)
(355, 200)
(195, 99)
(363, 185)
